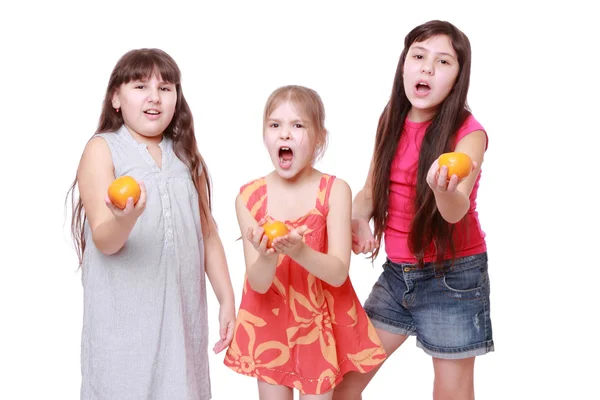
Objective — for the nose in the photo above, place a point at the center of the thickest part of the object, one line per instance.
(285, 134)
(154, 95)
(427, 68)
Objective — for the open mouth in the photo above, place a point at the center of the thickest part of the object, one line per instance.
(422, 88)
(152, 112)
(286, 156)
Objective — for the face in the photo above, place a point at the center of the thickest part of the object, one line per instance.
(147, 105)
(430, 71)
(288, 142)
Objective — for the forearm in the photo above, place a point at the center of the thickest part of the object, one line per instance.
(217, 270)
(326, 267)
(261, 273)
(110, 236)
(362, 205)
(452, 206)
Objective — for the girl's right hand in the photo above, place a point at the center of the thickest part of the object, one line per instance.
(130, 210)
(362, 237)
(256, 236)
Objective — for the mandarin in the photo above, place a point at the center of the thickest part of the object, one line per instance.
(122, 189)
(274, 229)
(459, 164)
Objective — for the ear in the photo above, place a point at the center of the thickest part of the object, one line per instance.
(116, 103)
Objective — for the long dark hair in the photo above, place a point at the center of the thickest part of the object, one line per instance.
(134, 65)
(427, 225)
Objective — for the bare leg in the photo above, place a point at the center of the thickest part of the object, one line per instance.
(266, 391)
(354, 382)
(324, 396)
(453, 379)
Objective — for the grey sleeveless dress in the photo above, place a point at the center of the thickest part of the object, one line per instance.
(144, 319)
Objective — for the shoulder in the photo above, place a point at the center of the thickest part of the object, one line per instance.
(96, 150)
(251, 192)
(340, 190)
(471, 125)
(251, 186)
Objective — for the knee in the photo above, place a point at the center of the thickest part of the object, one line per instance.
(453, 390)
(345, 394)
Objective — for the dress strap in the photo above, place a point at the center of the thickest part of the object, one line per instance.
(324, 191)
(254, 195)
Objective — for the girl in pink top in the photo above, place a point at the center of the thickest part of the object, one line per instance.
(434, 283)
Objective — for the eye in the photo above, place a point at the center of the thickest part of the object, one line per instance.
(165, 89)
(444, 62)
(139, 86)
(274, 125)
(418, 56)
(299, 126)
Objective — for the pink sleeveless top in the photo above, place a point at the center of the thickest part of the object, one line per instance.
(468, 236)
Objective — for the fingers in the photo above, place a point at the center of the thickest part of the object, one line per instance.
(301, 230)
(128, 206)
(432, 174)
(442, 179)
(141, 204)
(110, 204)
(256, 237)
(259, 240)
(226, 333)
(452, 184)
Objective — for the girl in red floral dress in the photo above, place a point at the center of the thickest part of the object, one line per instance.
(300, 324)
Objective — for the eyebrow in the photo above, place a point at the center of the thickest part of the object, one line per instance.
(278, 120)
(442, 53)
(145, 80)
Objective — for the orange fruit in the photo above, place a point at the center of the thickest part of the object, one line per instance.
(123, 188)
(459, 164)
(274, 230)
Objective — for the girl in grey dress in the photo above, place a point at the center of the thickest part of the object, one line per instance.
(143, 268)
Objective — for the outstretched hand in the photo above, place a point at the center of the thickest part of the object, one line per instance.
(258, 239)
(438, 180)
(130, 210)
(290, 244)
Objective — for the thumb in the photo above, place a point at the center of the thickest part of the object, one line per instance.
(301, 230)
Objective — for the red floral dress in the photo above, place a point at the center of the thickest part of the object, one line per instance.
(302, 333)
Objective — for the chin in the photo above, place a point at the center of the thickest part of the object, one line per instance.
(288, 174)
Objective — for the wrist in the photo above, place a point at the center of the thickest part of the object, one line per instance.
(227, 303)
(302, 248)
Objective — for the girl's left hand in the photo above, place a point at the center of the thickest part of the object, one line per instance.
(226, 325)
(292, 243)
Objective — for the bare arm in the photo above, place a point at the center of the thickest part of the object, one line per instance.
(332, 267)
(214, 254)
(453, 205)
(260, 268)
(95, 174)
(362, 206)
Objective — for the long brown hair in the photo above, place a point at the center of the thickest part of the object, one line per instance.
(427, 225)
(134, 65)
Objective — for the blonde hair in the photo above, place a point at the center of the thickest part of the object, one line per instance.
(308, 104)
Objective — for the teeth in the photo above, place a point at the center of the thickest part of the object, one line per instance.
(285, 148)
(152, 112)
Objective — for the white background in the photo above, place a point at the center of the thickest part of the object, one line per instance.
(534, 87)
